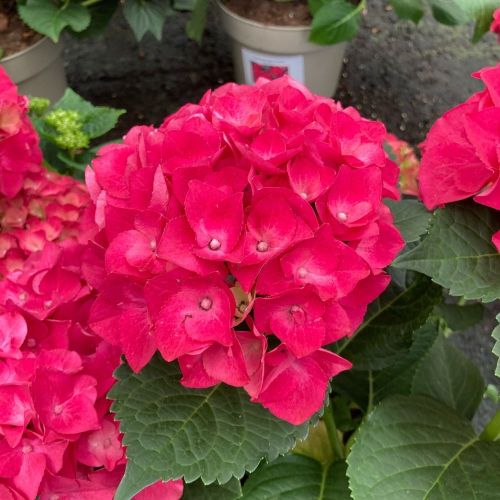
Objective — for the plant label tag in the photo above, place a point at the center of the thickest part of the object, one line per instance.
(271, 66)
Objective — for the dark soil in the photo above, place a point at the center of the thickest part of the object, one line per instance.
(15, 36)
(394, 71)
(294, 13)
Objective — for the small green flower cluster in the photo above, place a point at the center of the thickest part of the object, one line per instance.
(38, 105)
(69, 126)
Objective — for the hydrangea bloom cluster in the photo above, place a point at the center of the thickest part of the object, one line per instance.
(19, 152)
(461, 156)
(408, 163)
(69, 128)
(242, 236)
(49, 208)
(58, 438)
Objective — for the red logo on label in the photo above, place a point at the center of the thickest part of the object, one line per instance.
(269, 72)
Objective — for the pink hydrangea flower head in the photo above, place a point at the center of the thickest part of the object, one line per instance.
(256, 214)
(19, 151)
(460, 154)
(57, 435)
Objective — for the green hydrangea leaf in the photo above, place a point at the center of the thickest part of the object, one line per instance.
(450, 12)
(458, 253)
(71, 100)
(460, 317)
(146, 16)
(197, 490)
(101, 120)
(410, 217)
(101, 14)
(334, 22)
(395, 379)
(50, 20)
(408, 9)
(209, 434)
(461, 11)
(447, 375)
(97, 120)
(297, 478)
(415, 448)
(389, 323)
(483, 13)
(196, 24)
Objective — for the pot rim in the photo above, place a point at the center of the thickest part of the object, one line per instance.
(24, 51)
(256, 24)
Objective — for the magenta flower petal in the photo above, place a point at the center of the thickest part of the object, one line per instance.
(166, 490)
(194, 374)
(196, 143)
(198, 312)
(120, 316)
(295, 317)
(13, 331)
(65, 403)
(177, 245)
(328, 264)
(294, 389)
(216, 219)
(309, 178)
(380, 250)
(102, 447)
(226, 364)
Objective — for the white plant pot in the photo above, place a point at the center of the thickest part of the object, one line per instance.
(38, 70)
(265, 50)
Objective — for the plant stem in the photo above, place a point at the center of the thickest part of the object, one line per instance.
(333, 435)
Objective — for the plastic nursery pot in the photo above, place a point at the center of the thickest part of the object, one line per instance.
(38, 70)
(272, 51)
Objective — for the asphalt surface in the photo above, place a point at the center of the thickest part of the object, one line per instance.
(401, 74)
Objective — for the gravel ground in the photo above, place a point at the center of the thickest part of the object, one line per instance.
(396, 72)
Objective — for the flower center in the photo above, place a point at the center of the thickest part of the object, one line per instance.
(302, 272)
(106, 443)
(58, 409)
(23, 296)
(295, 309)
(341, 216)
(47, 304)
(214, 244)
(262, 246)
(31, 342)
(152, 244)
(27, 448)
(304, 196)
(206, 303)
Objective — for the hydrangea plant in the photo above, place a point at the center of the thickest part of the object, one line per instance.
(239, 304)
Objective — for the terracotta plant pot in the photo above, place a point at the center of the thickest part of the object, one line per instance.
(265, 50)
(38, 70)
